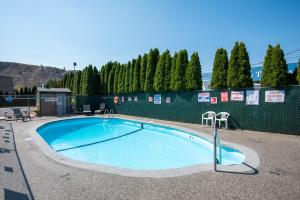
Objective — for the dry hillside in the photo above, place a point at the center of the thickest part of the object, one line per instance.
(29, 74)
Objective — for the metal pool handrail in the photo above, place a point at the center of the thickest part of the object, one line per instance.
(216, 141)
(111, 112)
(106, 112)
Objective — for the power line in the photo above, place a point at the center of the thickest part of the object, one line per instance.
(291, 52)
(293, 57)
(284, 55)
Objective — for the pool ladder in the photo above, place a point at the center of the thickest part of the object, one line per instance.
(109, 113)
(217, 142)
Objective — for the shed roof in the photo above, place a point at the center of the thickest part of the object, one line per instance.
(53, 90)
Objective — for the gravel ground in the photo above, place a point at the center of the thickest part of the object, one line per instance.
(278, 175)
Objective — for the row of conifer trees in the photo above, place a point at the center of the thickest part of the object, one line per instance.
(155, 72)
(152, 72)
(235, 72)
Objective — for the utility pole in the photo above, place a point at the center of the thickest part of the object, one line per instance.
(74, 64)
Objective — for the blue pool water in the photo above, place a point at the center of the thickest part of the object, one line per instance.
(123, 143)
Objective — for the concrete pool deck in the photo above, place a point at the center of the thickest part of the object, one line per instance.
(277, 177)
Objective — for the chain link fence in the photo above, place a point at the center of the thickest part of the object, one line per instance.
(277, 117)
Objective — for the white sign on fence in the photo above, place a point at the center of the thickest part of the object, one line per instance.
(204, 97)
(252, 97)
(157, 99)
(168, 100)
(275, 96)
(51, 99)
(237, 96)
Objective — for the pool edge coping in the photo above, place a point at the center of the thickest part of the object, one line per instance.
(249, 166)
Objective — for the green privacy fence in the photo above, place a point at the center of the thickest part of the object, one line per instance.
(17, 100)
(277, 117)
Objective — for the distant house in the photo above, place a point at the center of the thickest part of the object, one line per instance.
(6, 85)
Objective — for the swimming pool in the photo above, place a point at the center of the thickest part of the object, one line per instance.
(129, 144)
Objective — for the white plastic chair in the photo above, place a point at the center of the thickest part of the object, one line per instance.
(209, 115)
(222, 117)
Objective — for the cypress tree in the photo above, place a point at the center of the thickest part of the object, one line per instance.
(193, 76)
(298, 73)
(279, 71)
(173, 69)
(143, 71)
(239, 75)
(121, 79)
(26, 90)
(158, 82)
(87, 80)
(71, 81)
(126, 77)
(219, 75)
(102, 78)
(179, 76)
(116, 78)
(131, 75)
(108, 68)
(34, 90)
(83, 82)
(96, 81)
(152, 60)
(110, 84)
(136, 76)
(267, 70)
(77, 83)
(167, 72)
(90, 80)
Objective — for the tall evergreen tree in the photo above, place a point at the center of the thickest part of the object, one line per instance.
(173, 70)
(167, 71)
(34, 89)
(239, 75)
(121, 79)
(26, 90)
(267, 68)
(87, 81)
(91, 80)
(71, 81)
(102, 80)
(158, 83)
(136, 76)
(193, 75)
(110, 84)
(279, 70)
(179, 76)
(298, 73)
(131, 75)
(103, 83)
(143, 71)
(97, 81)
(116, 78)
(126, 77)
(77, 82)
(108, 68)
(83, 82)
(150, 69)
(219, 74)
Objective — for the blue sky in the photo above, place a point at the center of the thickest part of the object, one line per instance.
(57, 33)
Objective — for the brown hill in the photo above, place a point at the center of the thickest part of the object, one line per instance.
(30, 75)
